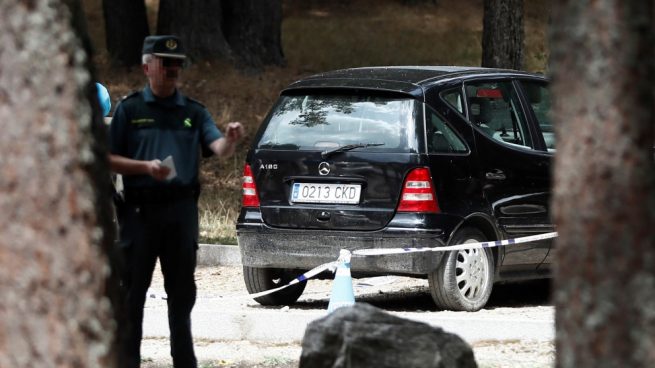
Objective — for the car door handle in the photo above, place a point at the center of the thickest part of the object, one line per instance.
(495, 174)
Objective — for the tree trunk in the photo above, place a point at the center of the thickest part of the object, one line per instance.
(253, 29)
(126, 25)
(604, 197)
(198, 23)
(245, 31)
(54, 209)
(503, 34)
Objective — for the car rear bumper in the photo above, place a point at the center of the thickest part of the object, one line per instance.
(264, 246)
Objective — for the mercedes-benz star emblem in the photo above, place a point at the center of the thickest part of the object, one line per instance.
(323, 168)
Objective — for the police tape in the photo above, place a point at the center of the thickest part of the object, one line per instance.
(388, 251)
(304, 277)
(465, 246)
(332, 266)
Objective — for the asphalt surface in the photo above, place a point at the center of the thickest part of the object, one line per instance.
(515, 312)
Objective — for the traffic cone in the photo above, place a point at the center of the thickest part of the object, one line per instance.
(342, 287)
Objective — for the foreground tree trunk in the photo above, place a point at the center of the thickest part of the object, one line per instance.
(604, 200)
(53, 218)
(126, 25)
(503, 34)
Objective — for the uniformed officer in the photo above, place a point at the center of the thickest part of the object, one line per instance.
(160, 215)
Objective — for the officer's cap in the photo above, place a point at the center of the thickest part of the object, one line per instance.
(164, 46)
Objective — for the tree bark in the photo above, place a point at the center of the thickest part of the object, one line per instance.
(602, 63)
(503, 34)
(253, 29)
(247, 32)
(198, 23)
(126, 25)
(54, 209)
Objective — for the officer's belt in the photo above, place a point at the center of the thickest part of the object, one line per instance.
(160, 194)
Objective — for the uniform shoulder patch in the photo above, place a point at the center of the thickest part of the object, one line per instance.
(131, 95)
(194, 101)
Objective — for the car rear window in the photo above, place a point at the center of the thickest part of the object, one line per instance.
(311, 122)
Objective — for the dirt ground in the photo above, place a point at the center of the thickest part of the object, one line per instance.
(529, 301)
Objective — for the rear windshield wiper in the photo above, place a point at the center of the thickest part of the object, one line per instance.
(348, 147)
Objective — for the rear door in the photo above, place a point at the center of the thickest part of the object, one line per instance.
(334, 161)
(515, 173)
(536, 96)
(450, 165)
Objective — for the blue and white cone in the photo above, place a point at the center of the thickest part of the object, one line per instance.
(342, 287)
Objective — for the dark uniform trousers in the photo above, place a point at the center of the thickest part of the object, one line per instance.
(168, 230)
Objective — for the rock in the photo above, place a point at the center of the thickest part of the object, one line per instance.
(365, 336)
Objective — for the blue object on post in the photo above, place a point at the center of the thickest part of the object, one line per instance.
(342, 288)
(103, 99)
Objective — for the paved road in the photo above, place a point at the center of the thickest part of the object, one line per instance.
(516, 329)
(516, 312)
(212, 321)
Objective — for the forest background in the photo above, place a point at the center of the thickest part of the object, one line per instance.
(316, 36)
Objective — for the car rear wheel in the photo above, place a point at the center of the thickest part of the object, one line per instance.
(464, 279)
(262, 279)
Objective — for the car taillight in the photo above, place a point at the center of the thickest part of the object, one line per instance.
(249, 197)
(418, 192)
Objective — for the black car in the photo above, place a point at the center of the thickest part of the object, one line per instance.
(390, 157)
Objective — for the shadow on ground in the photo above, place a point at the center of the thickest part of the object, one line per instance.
(522, 294)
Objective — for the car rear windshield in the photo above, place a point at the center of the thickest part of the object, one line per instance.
(324, 122)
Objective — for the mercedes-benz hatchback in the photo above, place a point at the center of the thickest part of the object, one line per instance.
(395, 157)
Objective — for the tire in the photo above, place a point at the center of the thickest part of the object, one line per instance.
(262, 279)
(464, 279)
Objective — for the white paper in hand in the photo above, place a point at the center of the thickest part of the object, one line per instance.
(169, 163)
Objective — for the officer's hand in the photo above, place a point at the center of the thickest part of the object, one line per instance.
(157, 171)
(234, 131)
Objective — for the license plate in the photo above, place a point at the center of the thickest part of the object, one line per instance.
(325, 193)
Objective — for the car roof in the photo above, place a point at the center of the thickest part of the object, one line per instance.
(401, 79)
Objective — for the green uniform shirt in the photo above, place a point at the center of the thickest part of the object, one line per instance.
(145, 127)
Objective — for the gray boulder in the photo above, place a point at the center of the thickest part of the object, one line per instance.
(365, 336)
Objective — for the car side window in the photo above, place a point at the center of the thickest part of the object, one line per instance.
(441, 137)
(494, 108)
(538, 96)
(454, 99)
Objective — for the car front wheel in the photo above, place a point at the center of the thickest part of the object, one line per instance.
(262, 279)
(464, 279)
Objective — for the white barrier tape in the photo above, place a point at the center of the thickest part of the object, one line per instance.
(304, 277)
(480, 245)
(344, 256)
